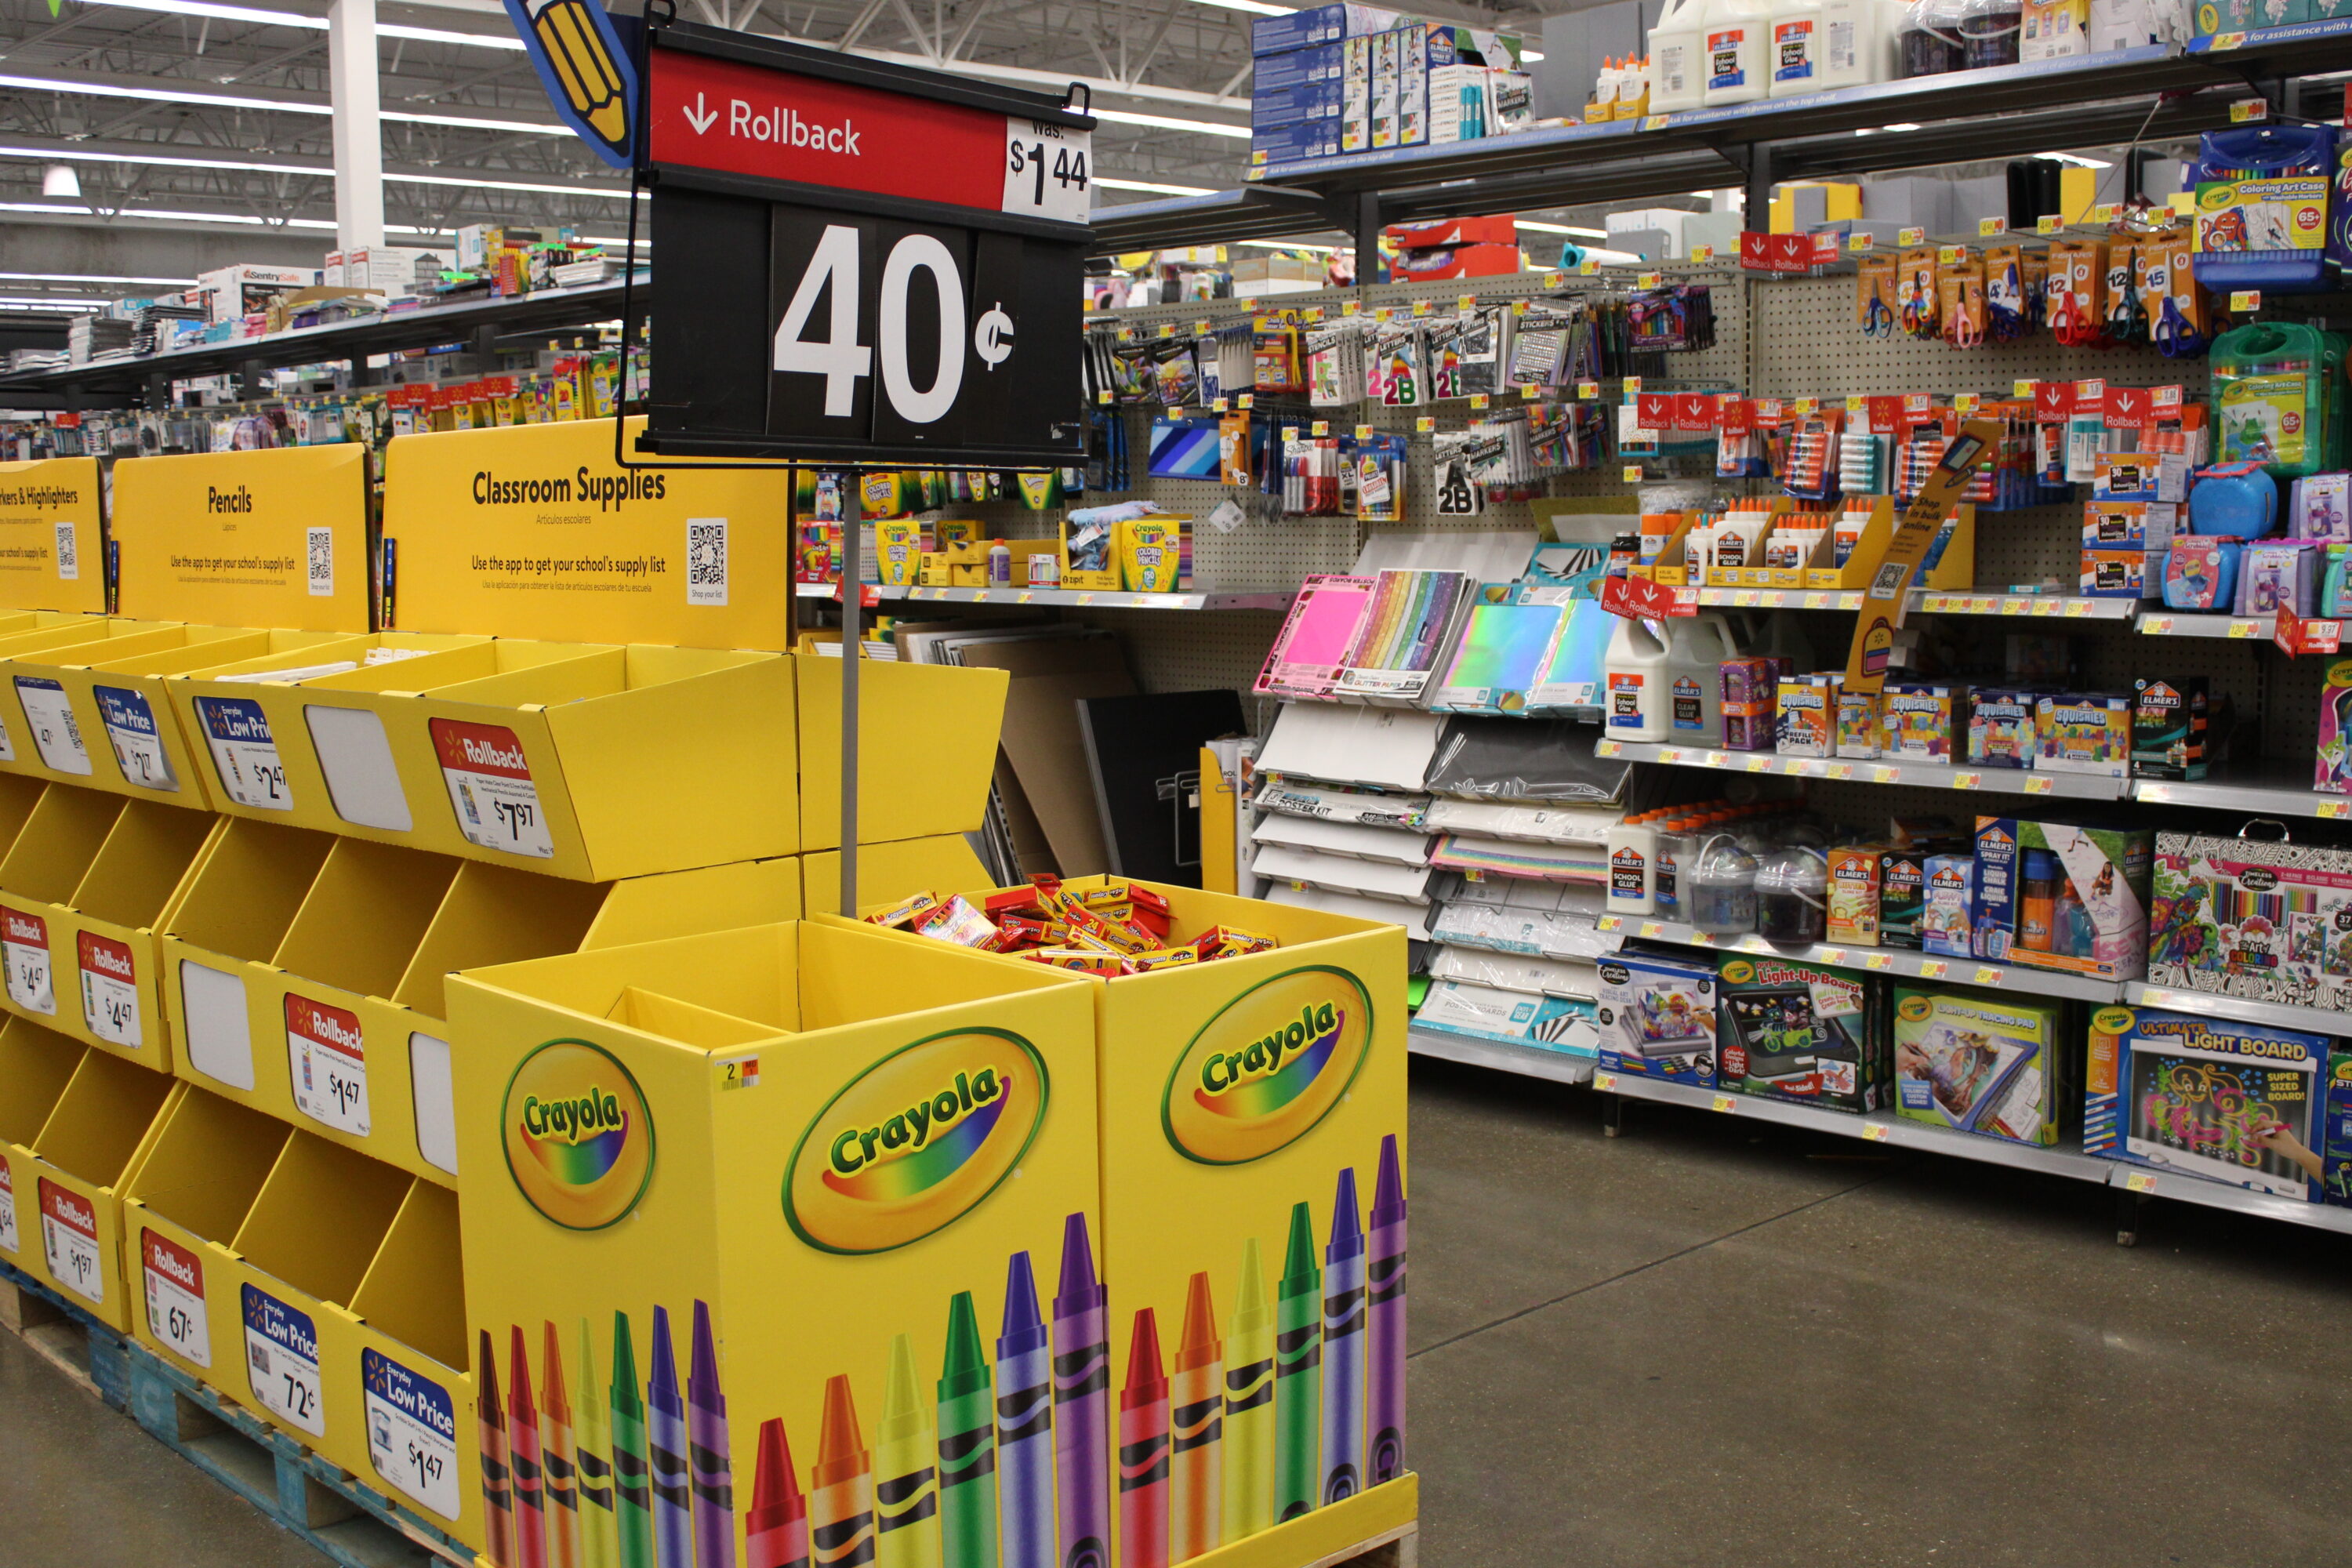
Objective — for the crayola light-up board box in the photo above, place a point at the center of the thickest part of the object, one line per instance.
(1258, 1102)
(277, 538)
(780, 1154)
(52, 535)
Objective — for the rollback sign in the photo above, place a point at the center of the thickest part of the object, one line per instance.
(889, 259)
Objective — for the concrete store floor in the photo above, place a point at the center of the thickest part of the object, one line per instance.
(1709, 1343)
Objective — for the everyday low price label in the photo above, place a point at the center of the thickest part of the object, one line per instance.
(329, 1063)
(175, 1297)
(244, 753)
(490, 789)
(49, 713)
(110, 989)
(281, 1360)
(8, 1241)
(25, 943)
(69, 1241)
(412, 1427)
(130, 730)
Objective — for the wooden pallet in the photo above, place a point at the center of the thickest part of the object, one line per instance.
(340, 1517)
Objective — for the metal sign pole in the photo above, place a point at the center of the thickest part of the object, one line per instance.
(853, 594)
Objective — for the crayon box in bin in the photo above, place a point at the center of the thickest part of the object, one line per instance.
(72, 1121)
(88, 881)
(2057, 895)
(1253, 1164)
(2208, 1097)
(113, 727)
(353, 1343)
(304, 972)
(584, 761)
(765, 1191)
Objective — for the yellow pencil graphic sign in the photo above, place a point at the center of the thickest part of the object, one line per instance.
(587, 74)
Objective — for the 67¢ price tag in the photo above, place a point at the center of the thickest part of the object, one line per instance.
(174, 1280)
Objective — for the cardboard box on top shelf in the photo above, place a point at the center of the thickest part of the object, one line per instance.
(848, 1162)
(305, 972)
(52, 536)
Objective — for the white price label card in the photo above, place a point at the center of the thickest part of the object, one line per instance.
(412, 1430)
(48, 712)
(174, 1279)
(1047, 170)
(110, 989)
(281, 1360)
(9, 1243)
(136, 739)
(69, 1241)
(244, 753)
(25, 945)
(490, 788)
(2139, 1182)
(329, 1060)
(1723, 1103)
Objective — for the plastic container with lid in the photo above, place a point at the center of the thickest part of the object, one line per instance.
(1928, 42)
(1792, 891)
(1990, 33)
(1718, 887)
(1677, 59)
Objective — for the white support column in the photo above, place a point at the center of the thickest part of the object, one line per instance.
(359, 134)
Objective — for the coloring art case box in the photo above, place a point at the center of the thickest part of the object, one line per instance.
(1978, 1063)
(2263, 921)
(1800, 1032)
(2207, 1097)
(1657, 1016)
(304, 972)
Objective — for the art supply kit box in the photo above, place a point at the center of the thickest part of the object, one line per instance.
(1979, 1062)
(1802, 1032)
(2062, 896)
(2208, 1097)
(1657, 1017)
(2266, 921)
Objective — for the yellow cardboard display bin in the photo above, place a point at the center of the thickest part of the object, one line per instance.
(52, 542)
(303, 971)
(64, 1227)
(85, 887)
(888, 872)
(124, 736)
(780, 1156)
(585, 761)
(1259, 1102)
(926, 749)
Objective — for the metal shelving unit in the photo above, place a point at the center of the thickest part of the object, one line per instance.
(1940, 602)
(2188, 623)
(2285, 792)
(2316, 1020)
(1929, 775)
(1528, 1061)
(1071, 598)
(1905, 962)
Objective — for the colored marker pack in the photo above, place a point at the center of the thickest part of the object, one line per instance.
(1656, 1017)
(2208, 1097)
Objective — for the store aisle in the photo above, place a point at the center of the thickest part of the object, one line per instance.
(83, 1487)
(1708, 1343)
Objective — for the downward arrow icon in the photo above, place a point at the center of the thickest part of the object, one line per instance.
(699, 117)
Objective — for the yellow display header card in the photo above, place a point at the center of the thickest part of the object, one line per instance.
(52, 554)
(533, 530)
(275, 538)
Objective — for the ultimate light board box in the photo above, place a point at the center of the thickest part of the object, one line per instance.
(766, 1183)
(2208, 1097)
(1253, 1122)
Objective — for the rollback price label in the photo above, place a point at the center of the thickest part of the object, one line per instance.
(130, 730)
(69, 1241)
(490, 788)
(329, 1061)
(48, 712)
(25, 947)
(110, 989)
(8, 1240)
(281, 1360)
(412, 1429)
(244, 753)
(174, 1280)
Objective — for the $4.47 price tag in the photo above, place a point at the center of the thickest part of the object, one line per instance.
(25, 946)
(110, 989)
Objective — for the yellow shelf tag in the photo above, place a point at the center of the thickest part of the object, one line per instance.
(1911, 236)
(1632, 473)
(1424, 424)
(1702, 254)
(2243, 301)
(1991, 225)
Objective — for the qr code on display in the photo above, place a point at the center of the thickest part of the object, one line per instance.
(69, 557)
(322, 563)
(1889, 581)
(706, 560)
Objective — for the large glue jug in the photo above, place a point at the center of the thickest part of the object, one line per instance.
(1800, 47)
(1678, 58)
(1696, 646)
(1633, 681)
(1738, 59)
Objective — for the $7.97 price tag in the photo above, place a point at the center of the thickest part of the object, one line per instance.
(490, 788)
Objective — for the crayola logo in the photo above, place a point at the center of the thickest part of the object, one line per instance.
(1268, 1066)
(579, 1139)
(916, 1141)
(1915, 1008)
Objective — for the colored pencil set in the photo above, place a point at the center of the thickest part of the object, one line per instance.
(1012, 1465)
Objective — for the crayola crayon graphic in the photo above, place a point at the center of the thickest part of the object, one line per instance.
(1082, 1404)
(1196, 1420)
(712, 1467)
(665, 1453)
(1343, 1348)
(497, 1494)
(1143, 1451)
(631, 1479)
(555, 1458)
(775, 1532)
(841, 1507)
(1249, 1403)
(1297, 1366)
(967, 1445)
(592, 1450)
(905, 1467)
(1025, 1425)
(1384, 1330)
(522, 1446)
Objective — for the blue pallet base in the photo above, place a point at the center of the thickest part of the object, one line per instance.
(351, 1523)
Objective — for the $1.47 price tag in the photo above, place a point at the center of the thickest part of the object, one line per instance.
(329, 1060)
(412, 1427)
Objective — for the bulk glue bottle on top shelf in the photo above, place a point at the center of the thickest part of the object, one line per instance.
(1678, 58)
(1696, 646)
(1633, 847)
(1633, 675)
(1737, 63)
(1857, 42)
(1798, 46)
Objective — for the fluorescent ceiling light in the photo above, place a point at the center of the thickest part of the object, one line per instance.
(152, 92)
(167, 215)
(43, 207)
(1286, 244)
(1564, 228)
(268, 18)
(464, 122)
(161, 156)
(35, 303)
(88, 277)
(1527, 54)
(1252, 7)
(1120, 183)
(328, 223)
(470, 183)
(443, 36)
(1168, 122)
(2077, 160)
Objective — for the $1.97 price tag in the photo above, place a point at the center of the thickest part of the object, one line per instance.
(69, 1241)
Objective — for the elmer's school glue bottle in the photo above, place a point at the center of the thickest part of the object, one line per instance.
(1737, 60)
(1634, 682)
(1633, 847)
